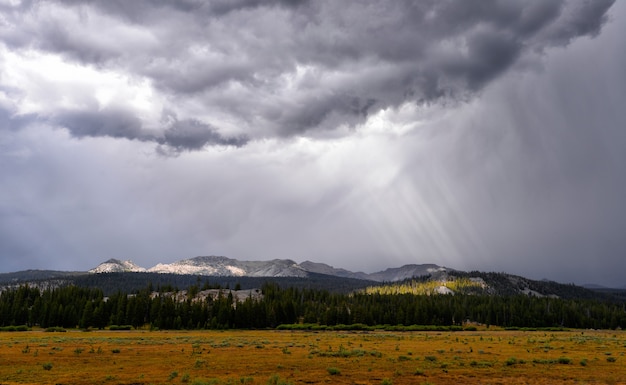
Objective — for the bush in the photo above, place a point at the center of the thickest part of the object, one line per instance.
(47, 366)
(55, 329)
(564, 361)
(333, 371)
(481, 364)
(611, 359)
(120, 327)
(18, 328)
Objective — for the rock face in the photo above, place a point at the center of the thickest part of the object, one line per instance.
(116, 266)
(222, 266)
(408, 271)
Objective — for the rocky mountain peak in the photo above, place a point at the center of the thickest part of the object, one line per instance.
(116, 266)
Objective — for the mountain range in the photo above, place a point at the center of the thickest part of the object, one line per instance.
(115, 274)
(222, 266)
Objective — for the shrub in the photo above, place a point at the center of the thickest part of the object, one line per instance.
(430, 358)
(19, 328)
(386, 381)
(564, 361)
(611, 359)
(56, 329)
(481, 364)
(115, 351)
(120, 327)
(333, 371)
(47, 366)
(543, 362)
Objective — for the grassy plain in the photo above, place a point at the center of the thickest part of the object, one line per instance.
(306, 357)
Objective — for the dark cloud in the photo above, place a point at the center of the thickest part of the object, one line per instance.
(177, 136)
(189, 135)
(111, 122)
(288, 67)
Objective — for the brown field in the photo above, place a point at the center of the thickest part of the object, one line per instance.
(305, 357)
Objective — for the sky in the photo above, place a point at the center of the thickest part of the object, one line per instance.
(476, 135)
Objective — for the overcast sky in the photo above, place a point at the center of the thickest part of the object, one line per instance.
(477, 135)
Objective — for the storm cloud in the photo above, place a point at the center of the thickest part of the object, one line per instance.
(284, 68)
(481, 135)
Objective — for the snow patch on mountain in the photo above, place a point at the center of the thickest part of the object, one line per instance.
(116, 266)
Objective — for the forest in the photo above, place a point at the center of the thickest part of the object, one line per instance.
(79, 307)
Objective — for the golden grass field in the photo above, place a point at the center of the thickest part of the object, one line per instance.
(305, 357)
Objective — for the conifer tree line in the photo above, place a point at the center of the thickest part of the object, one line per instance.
(73, 306)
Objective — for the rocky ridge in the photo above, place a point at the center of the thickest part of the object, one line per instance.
(223, 266)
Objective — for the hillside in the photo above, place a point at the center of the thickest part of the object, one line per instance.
(420, 279)
(481, 283)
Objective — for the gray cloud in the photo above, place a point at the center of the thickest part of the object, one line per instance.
(8, 121)
(194, 135)
(175, 137)
(291, 67)
(114, 123)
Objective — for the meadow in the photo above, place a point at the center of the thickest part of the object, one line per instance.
(313, 357)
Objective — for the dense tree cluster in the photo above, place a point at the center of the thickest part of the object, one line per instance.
(74, 306)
